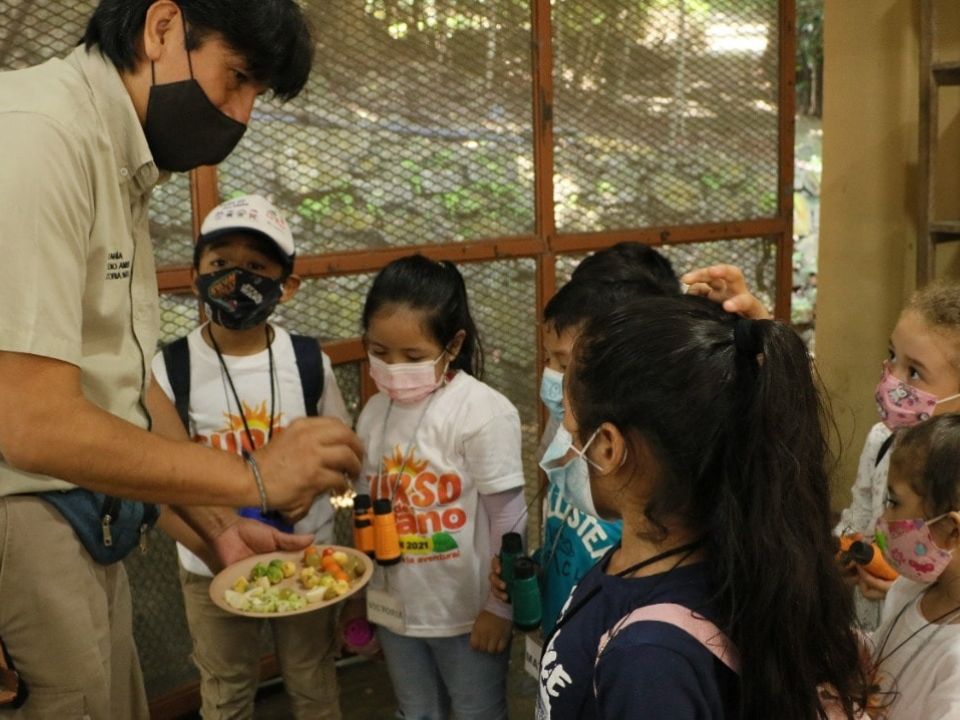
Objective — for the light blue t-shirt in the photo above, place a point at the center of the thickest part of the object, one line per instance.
(573, 542)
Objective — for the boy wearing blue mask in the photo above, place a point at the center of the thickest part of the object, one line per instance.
(237, 382)
(574, 538)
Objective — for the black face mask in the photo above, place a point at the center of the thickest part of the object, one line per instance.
(184, 129)
(237, 299)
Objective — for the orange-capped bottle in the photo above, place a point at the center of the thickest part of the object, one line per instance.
(870, 558)
(386, 541)
(363, 534)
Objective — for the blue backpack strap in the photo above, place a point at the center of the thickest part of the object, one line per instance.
(310, 366)
(176, 357)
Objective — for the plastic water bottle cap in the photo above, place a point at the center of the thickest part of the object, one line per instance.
(358, 633)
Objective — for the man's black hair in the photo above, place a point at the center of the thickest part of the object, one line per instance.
(272, 36)
(631, 262)
(607, 279)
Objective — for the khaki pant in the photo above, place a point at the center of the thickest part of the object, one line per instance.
(226, 650)
(66, 621)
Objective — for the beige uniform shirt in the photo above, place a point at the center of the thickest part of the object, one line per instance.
(77, 278)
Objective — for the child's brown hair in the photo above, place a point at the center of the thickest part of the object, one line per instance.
(939, 305)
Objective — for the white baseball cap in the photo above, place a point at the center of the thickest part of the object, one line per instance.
(249, 213)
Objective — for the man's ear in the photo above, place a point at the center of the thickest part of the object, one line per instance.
(193, 281)
(290, 287)
(162, 27)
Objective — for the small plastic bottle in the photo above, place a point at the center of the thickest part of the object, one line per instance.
(360, 638)
(387, 543)
(869, 557)
(527, 612)
(363, 533)
(511, 549)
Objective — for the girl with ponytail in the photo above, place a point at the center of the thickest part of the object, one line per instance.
(702, 431)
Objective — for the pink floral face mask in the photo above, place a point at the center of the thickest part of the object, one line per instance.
(910, 548)
(902, 405)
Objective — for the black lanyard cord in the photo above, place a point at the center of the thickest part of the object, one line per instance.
(880, 656)
(685, 550)
(233, 389)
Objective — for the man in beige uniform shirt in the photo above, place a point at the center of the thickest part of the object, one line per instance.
(158, 86)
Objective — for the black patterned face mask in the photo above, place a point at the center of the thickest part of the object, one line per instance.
(237, 299)
(184, 129)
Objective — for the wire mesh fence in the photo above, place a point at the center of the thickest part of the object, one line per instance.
(666, 112)
(413, 129)
(416, 128)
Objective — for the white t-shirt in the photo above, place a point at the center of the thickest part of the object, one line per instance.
(925, 671)
(866, 507)
(216, 421)
(467, 444)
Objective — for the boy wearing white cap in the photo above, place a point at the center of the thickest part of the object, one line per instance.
(237, 381)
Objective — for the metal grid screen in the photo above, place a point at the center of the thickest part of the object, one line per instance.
(665, 112)
(413, 129)
(416, 129)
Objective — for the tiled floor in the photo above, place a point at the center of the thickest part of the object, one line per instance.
(365, 692)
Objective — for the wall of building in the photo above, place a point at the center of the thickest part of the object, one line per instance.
(869, 198)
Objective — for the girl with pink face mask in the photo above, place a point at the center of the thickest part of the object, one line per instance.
(443, 452)
(917, 646)
(920, 378)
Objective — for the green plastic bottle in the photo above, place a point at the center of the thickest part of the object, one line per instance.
(527, 612)
(511, 549)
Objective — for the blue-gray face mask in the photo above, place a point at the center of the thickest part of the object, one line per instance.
(551, 392)
(566, 466)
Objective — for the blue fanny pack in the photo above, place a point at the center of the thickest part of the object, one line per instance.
(108, 527)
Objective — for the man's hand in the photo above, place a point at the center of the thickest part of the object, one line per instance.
(246, 537)
(310, 457)
(725, 284)
(490, 633)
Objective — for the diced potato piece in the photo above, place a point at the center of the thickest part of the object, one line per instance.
(289, 569)
(237, 600)
(241, 584)
(315, 595)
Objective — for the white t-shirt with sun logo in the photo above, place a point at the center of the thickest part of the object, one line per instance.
(467, 444)
(216, 421)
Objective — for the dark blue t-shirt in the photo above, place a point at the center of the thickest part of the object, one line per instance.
(650, 670)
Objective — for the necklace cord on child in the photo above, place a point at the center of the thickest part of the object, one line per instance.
(879, 654)
(233, 389)
(685, 551)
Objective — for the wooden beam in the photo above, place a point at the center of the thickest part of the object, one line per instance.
(204, 195)
(786, 106)
(342, 352)
(671, 235)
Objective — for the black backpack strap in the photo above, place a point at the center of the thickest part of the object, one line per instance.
(310, 366)
(176, 356)
(884, 448)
